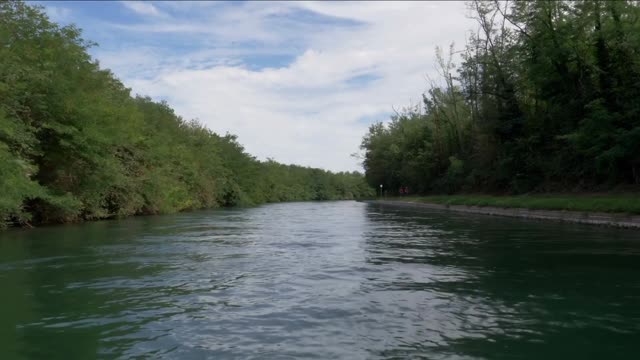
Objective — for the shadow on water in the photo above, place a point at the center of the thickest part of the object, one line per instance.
(511, 288)
(78, 291)
(55, 285)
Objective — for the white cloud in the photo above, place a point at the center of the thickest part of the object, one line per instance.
(309, 111)
(143, 8)
(58, 14)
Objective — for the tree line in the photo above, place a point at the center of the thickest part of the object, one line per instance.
(546, 97)
(75, 145)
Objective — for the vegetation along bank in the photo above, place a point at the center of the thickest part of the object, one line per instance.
(544, 99)
(75, 145)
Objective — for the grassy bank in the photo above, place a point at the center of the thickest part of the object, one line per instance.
(610, 203)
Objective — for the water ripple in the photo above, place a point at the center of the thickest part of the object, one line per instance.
(330, 280)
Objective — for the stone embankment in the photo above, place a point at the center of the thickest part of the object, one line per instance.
(593, 218)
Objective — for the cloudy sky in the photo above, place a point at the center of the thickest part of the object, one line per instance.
(299, 82)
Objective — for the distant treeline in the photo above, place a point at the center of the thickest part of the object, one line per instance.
(74, 144)
(546, 98)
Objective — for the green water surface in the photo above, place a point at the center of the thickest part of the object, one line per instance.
(325, 280)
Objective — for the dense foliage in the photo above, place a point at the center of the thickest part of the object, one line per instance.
(547, 98)
(75, 145)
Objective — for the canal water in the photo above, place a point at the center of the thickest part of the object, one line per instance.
(320, 280)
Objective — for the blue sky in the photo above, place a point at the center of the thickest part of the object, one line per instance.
(299, 82)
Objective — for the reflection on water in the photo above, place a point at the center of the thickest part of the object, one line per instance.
(320, 280)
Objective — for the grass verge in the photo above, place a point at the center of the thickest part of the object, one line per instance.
(618, 203)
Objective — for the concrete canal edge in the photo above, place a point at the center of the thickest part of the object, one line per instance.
(593, 218)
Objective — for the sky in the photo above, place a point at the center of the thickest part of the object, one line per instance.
(298, 82)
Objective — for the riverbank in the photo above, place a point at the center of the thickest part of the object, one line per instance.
(596, 210)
